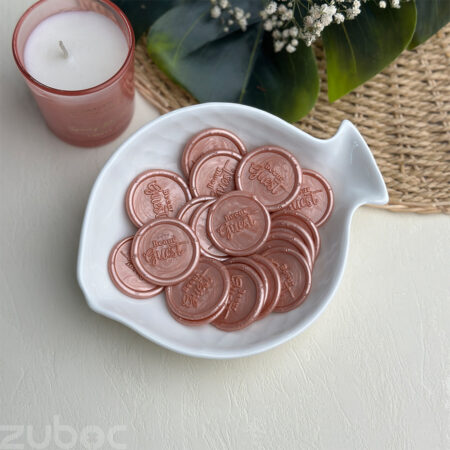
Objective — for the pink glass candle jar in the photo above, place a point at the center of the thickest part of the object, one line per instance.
(98, 112)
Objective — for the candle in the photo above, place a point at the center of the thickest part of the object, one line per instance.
(75, 50)
(77, 58)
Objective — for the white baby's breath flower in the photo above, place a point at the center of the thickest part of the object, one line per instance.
(293, 31)
(215, 12)
(290, 48)
(271, 8)
(278, 46)
(339, 18)
(268, 25)
(287, 26)
(238, 13)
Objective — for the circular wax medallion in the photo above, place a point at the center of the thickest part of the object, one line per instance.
(245, 299)
(202, 293)
(304, 222)
(315, 200)
(197, 323)
(295, 277)
(124, 275)
(256, 267)
(288, 239)
(238, 223)
(155, 194)
(165, 251)
(185, 213)
(207, 141)
(213, 173)
(272, 174)
(198, 224)
(274, 290)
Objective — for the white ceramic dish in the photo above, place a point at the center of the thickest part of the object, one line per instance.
(345, 160)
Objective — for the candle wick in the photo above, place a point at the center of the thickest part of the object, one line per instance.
(64, 49)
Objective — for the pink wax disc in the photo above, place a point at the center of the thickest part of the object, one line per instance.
(274, 289)
(124, 275)
(206, 141)
(272, 174)
(197, 323)
(295, 277)
(245, 299)
(155, 194)
(198, 224)
(213, 173)
(238, 223)
(202, 293)
(296, 217)
(288, 239)
(315, 200)
(165, 251)
(185, 213)
(256, 267)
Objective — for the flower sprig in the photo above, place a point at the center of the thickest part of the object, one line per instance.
(229, 15)
(289, 21)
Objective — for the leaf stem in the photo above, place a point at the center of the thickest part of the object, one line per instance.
(250, 63)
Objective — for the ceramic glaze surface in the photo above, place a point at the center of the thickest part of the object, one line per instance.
(344, 160)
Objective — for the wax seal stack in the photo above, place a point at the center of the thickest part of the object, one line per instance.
(233, 243)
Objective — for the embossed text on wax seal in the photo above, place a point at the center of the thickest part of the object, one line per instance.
(237, 291)
(267, 175)
(235, 222)
(163, 250)
(287, 277)
(160, 199)
(198, 285)
(221, 180)
(306, 199)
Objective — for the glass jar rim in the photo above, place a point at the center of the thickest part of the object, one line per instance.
(80, 92)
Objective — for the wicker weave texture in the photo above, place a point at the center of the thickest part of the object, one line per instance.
(403, 113)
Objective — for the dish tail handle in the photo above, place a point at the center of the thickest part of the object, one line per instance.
(368, 185)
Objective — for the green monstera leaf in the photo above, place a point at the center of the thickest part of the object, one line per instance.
(233, 66)
(432, 15)
(358, 49)
(142, 13)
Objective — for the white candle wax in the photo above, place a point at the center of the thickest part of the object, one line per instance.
(96, 50)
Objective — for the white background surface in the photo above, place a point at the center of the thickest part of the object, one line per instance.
(372, 373)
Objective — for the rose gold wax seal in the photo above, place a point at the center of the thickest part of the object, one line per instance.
(124, 275)
(301, 221)
(213, 173)
(274, 291)
(207, 141)
(198, 224)
(165, 251)
(256, 267)
(185, 213)
(295, 277)
(315, 200)
(197, 323)
(272, 174)
(155, 194)
(288, 239)
(238, 223)
(202, 293)
(245, 299)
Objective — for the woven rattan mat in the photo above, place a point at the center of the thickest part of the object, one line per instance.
(403, 113)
